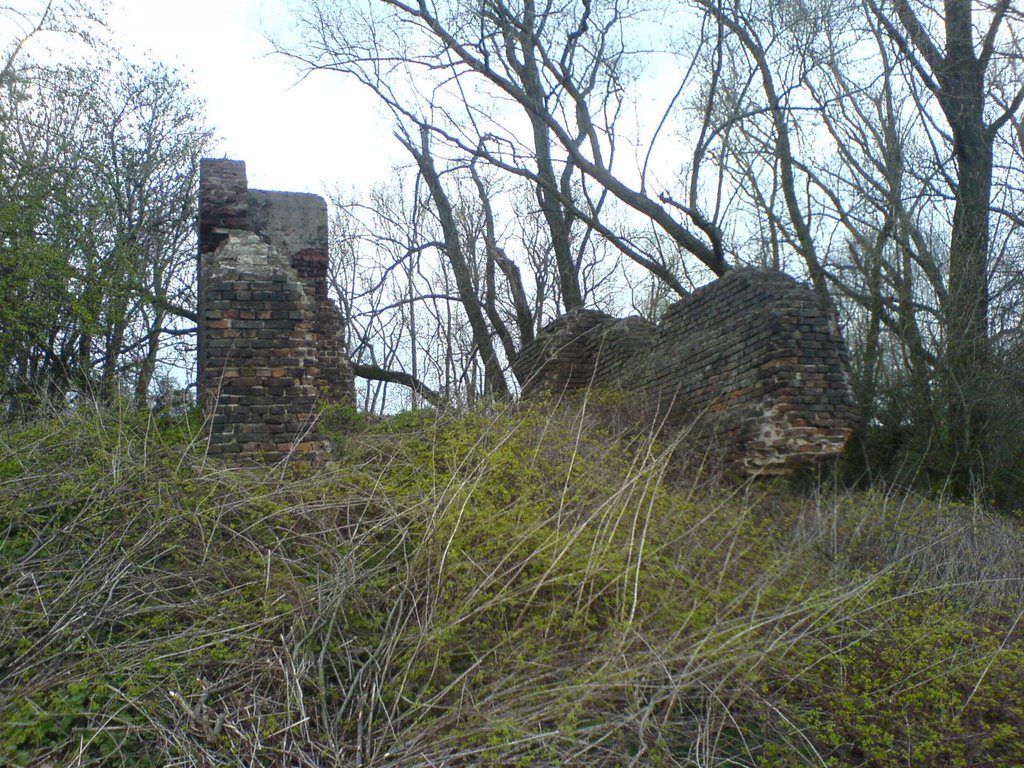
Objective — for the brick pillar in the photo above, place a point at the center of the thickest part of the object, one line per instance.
(258, 341)
(223, 206)
(297, 225)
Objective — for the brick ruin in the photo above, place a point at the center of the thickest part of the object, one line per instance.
(754, 355)
(271, 342)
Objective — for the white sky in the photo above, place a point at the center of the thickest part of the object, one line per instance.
(298, 134)
(295, 134)
(312, 134)
(303, 136)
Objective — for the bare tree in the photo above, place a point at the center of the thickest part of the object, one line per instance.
(955, 53)
(556, 73)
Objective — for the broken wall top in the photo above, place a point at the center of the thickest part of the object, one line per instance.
(271, 342)
(754, 350)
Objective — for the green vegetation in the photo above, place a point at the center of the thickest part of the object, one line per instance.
(523, 586)
(99, 171)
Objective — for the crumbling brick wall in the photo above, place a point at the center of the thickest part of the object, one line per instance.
(582, 348)
(753, 353)
(271, 342)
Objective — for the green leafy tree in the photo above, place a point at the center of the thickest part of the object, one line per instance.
(100, 168)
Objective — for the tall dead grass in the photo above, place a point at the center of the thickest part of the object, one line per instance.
(522, 587)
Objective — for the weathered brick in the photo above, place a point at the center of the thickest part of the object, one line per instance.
(754, 345)
(270, 339)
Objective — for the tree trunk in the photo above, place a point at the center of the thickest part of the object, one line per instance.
(460, 268)
(962, 97)
(555, 214)
(957, 78)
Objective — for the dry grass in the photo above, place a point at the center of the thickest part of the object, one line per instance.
(532, 588)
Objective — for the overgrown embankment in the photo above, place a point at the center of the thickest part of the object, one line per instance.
(525, 587)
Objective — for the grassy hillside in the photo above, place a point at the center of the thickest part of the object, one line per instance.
(519, 587)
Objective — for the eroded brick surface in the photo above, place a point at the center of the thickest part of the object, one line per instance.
(753, 353)
(271, 342)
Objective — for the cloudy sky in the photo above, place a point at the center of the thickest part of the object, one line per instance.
(307, 134)
(294, 134)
